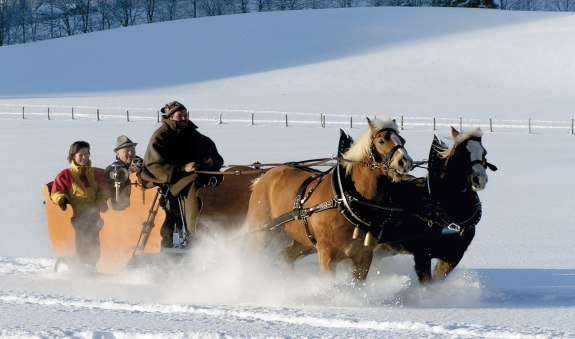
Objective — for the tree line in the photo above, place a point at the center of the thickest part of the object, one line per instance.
(23, 21)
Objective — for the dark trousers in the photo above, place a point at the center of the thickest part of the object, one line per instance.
(87, 227)
(190, 207)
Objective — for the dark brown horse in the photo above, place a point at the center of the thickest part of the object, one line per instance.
(302, 205)
(442, 209)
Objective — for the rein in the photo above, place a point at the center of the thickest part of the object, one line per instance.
(257, 166)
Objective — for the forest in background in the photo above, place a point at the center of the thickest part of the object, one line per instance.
(23, 21)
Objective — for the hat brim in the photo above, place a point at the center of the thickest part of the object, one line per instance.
(125, 145)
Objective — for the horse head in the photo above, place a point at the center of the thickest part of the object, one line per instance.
(466, 160)
(382, 149)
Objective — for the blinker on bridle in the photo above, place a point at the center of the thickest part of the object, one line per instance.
(376, 157)
(483, 162)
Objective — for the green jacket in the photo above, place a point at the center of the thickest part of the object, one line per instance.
(172, 147)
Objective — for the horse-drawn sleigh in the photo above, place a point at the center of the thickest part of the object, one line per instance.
(364, 203)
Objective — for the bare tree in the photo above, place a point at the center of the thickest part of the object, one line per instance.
(65, 15)
(244, 6)
(49, 17)
(215, 7)
(170, 9)
(23, 16)
(83, 9)
(194, 5)
(264, 5)
(127, 12)
(4, 21)
(150, 7)
(565, 5)
(289, 5)
(106, 11)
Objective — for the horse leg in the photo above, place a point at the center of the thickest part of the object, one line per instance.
(361, 263)
(444, 266)
(294, 251)
(442, 269)
(422, 267)
(326, 257)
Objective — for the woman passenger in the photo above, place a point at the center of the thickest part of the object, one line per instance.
(85, 189)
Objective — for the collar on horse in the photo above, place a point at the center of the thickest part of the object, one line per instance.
(369, 216)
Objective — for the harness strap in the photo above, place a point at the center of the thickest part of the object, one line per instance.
(299, 213)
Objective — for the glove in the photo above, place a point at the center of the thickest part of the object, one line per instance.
(103, 207)
(62, 203)
(136, 165)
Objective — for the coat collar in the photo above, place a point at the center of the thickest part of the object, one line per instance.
(171, 124)
(76, 168)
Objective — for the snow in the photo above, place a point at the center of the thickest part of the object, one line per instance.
(517, 279)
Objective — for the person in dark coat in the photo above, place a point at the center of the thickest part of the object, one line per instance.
(127, 162)
(175, 152)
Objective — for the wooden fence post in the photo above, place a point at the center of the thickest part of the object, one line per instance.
(252, 119)
(401, 122)
(460, 124)
(127, 116)
(434, 122)
(158, 115)
(572, 126)
(490, 124)
(98, 114)
(72, 113)
(286, 121)
(25, 118)
(529, 124)
(350, 122)
(321, 119)
(220, 118)
(48, 113)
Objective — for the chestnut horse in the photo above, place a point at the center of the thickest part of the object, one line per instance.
(303, 201)
(442, 209)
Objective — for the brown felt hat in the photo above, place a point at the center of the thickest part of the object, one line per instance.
(171, 107)
(123, 141)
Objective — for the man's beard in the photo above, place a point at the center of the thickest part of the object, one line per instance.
(182, 124)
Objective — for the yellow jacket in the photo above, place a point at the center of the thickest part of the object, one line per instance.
(85, 187)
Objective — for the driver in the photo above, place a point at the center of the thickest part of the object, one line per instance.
(175, 152)
(127, 162)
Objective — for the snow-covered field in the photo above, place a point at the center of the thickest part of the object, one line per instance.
(517, 278)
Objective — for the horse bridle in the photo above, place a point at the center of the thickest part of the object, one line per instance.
(376, 158)
(483, 161)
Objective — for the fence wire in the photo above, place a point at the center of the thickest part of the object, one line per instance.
(277, 118)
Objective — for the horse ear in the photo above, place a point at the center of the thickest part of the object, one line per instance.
(370, 123)
(454, 132)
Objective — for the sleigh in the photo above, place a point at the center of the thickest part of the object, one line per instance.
(133, 233)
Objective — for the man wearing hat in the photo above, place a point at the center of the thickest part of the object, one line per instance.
(127, 162)
(175, 152)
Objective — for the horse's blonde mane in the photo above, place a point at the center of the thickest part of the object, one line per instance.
(476, 133)
(360, 150)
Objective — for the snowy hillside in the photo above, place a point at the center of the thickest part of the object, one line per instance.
(414, 61)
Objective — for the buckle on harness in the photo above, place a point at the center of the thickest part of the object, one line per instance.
(452, 228)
